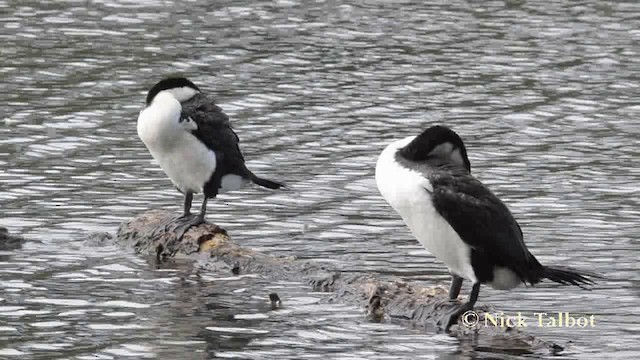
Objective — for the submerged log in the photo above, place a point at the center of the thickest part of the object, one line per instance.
(383, 301)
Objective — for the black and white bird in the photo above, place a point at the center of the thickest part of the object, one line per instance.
(192, 140)
(427, 180)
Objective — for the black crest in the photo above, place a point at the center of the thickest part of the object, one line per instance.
(422, 147)
(169, 83)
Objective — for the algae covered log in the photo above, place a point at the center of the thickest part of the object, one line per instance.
(150, 233)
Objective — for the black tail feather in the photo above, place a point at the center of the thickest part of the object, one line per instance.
(569, 277)
(265, 183)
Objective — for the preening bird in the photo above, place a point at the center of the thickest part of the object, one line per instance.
(427, 180)
(192, 140)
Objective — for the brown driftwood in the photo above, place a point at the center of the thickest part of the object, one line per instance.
(383, 301)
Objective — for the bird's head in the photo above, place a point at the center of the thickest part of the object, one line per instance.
(180, 88)
(437, 142)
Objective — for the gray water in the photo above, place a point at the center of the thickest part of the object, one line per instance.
(544, 93)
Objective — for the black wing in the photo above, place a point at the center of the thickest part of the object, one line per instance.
(481, 219)
(214, 130)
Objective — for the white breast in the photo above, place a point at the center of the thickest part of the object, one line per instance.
(407, 192)
(187, 161)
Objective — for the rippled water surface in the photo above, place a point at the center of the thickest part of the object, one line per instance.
(544, 93)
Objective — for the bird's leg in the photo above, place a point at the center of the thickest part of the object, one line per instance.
(188, 198)
(451, 317)
(454, 288)
(189, 220)
(203, 209)
(164, 226)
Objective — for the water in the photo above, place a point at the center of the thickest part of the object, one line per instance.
(544, 93)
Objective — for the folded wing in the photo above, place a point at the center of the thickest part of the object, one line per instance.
(214, 130)
(481, 220)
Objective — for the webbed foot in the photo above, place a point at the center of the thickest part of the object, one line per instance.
(451, 316)
(184, 223)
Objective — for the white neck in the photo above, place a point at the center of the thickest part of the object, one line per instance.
(181, 94)
(159, 122)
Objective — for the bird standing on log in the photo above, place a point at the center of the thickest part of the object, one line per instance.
(192, 140)
(427, 180)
